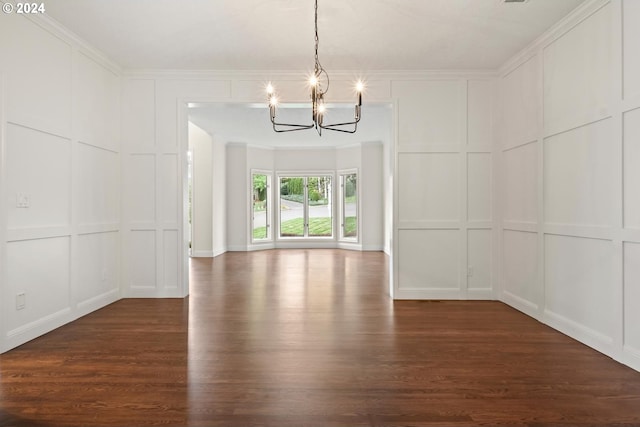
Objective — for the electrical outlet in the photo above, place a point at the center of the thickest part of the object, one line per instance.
(23, 200)
(21, 301)
(470, 271)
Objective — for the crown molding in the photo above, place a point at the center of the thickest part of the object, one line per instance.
(574, 18)
(296, 74)
(58, 30)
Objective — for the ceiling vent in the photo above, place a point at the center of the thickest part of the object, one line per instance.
(515, 1)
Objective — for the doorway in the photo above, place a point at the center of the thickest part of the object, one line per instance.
(249, 146)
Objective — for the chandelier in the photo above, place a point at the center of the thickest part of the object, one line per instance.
(319, 86)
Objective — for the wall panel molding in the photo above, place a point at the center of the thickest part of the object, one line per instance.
(566, 260)
(444, 191)
(67, 164)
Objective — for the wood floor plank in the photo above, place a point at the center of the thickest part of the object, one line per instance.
(310, 338)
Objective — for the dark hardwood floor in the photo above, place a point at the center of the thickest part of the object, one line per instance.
(310, 338)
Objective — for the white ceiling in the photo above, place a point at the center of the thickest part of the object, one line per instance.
(272, 35)
(358, 35)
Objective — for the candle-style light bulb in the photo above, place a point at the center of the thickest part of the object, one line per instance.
(270, 89)
(359, 89)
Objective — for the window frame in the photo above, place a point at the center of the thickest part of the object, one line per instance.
(269, 206)
(341, 206)
(332, 200)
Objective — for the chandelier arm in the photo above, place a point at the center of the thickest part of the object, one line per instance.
(272, 116)
(355, 122)
(290, 130)
(326, 75)
(330, 127)
(294, 127)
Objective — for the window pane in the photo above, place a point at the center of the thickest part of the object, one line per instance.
(319, 199)
(260, 207)
(291, 207)
(350, 204)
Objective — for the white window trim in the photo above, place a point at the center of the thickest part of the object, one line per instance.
(276, 194)
(341, 219)
(270, 206)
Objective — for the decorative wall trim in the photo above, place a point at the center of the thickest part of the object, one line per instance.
(35, 233)
(558, 30)
(52, 26)
(295, 75)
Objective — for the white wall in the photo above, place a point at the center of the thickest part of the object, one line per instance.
(304, 159)
(443, 173)
(61, 149)
(372, 211)
(570, 228)
(219, 197)
(201, 147)
(237, 197)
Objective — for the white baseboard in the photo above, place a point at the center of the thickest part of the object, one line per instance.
(202, 254)
(306, 245)
(373, 248)
(37, 328)
(261, 247)
(219, 251)
(520, 304)
(631, 357)
(349, 246)
(480, 294)
(580, 332)
(445, 294)
(92, 304)
(428, 294)
(154, 293)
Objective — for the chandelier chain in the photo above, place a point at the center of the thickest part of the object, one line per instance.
(317, 40)
(319, 71)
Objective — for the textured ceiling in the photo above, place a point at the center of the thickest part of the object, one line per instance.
(278, 34)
